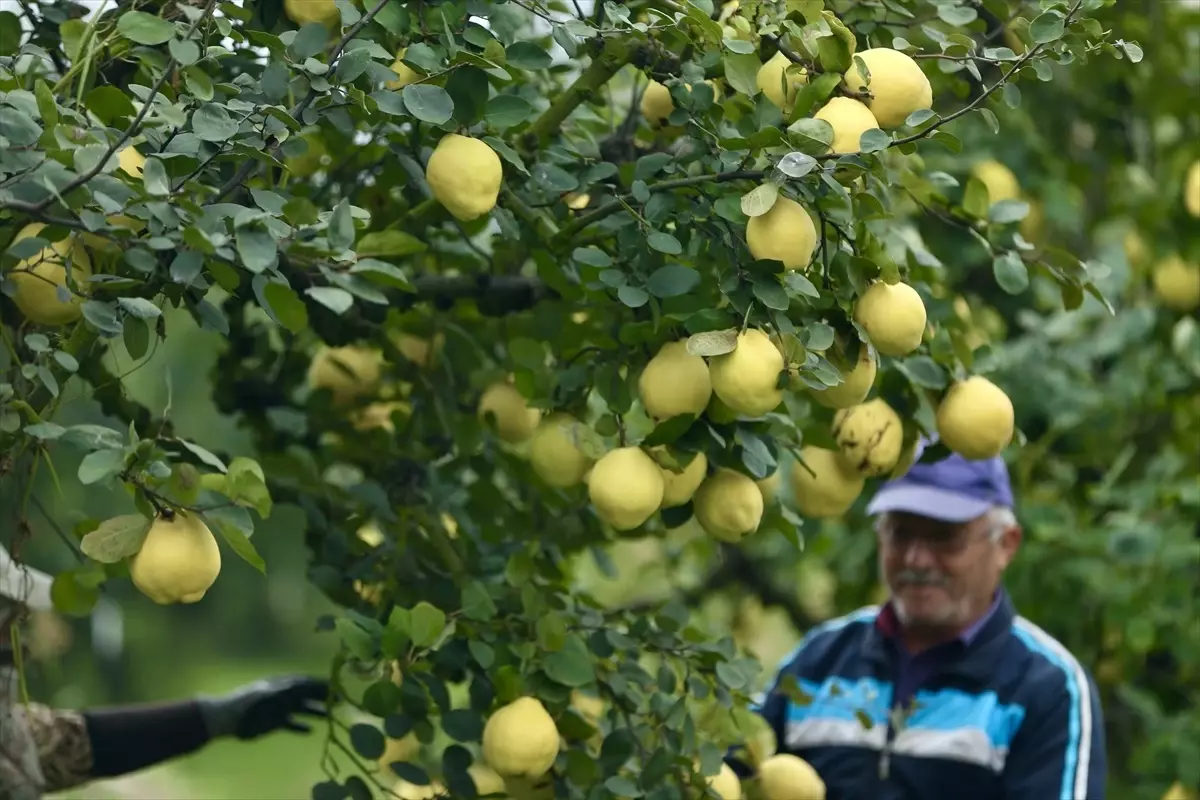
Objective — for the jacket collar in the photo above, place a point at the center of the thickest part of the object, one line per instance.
(976, 658)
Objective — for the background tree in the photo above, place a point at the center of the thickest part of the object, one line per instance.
(627, 180)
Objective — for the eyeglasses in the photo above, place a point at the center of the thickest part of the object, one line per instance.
(941, 540)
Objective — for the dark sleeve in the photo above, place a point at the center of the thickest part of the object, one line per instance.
(1059, 752)
(129, 738)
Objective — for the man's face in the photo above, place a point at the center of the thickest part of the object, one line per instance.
(942, 575)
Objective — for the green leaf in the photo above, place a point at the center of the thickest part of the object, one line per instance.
(800, 284)
(139, 307)
(115, 538)
(109, 104)
(428, 103)
(920, 117)
(341, 227)
(468, 89)
(1047, 27)
(592, 257)
(99, 465)
(760, 199)
(713, 343)
(339, 301)
(46, 431)
(18, 128)
(212, 123)
(103, 316)
(672, 280)
(768, 292)
(527, 55)
(507, 153)
(393, 17)
(367, 740)
(483, 654)
(246, 484)
(572, 665)
(809, 135)
(154, 178)
(185, 51)
(309, 41)
(1011, 273)
(741, 70)
(257, 249)
(553, 178)
(796, 165)
(360, 643)
(818, 336)
(632, 296)
(73, 595)
(10, 34)
(463, 724)
(1132, 50)
(286, 306)
(957, 15)
(390, 102)
(924, 371)
(873, 140)
(1008, 211)
(664, 243)
(390, 242)
(507, 110)
(383, 273)
(136, 337)
(143, 28)
(477, 603)
(198, 83)
(231, 522)
(426, 624)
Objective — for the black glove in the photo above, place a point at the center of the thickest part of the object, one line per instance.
(265, 706)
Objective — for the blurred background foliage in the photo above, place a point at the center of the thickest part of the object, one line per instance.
(1108, 481)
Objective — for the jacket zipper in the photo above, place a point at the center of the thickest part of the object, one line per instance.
(885, 757)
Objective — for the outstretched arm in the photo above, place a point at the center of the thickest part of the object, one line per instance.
(76, 747)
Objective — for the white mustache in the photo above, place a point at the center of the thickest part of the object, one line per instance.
(913, 577)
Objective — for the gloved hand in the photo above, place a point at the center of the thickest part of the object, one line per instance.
(265, 706)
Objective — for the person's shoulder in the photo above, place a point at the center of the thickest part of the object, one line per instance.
(1047, 664)
(831, 636)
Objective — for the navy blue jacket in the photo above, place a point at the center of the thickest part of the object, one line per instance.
(1012, 716)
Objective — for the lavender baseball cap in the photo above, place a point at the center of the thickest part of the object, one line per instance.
(952, 490)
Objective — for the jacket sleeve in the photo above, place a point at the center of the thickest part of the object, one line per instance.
(1059, 753)
(64, 750)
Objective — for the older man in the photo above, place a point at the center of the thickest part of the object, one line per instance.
(46, 750)
(944, 692)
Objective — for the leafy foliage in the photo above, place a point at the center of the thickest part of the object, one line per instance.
(282, 204)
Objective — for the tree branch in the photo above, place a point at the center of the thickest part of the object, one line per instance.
(615, 54)
(247, 169)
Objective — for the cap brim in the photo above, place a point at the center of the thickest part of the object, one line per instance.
(24, 585)
(928, 501)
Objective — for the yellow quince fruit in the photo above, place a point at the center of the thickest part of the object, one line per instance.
(179, 560)
(975, 419)
(747, 379)
(464, 175)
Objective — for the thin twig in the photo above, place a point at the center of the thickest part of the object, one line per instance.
(1022, 61)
